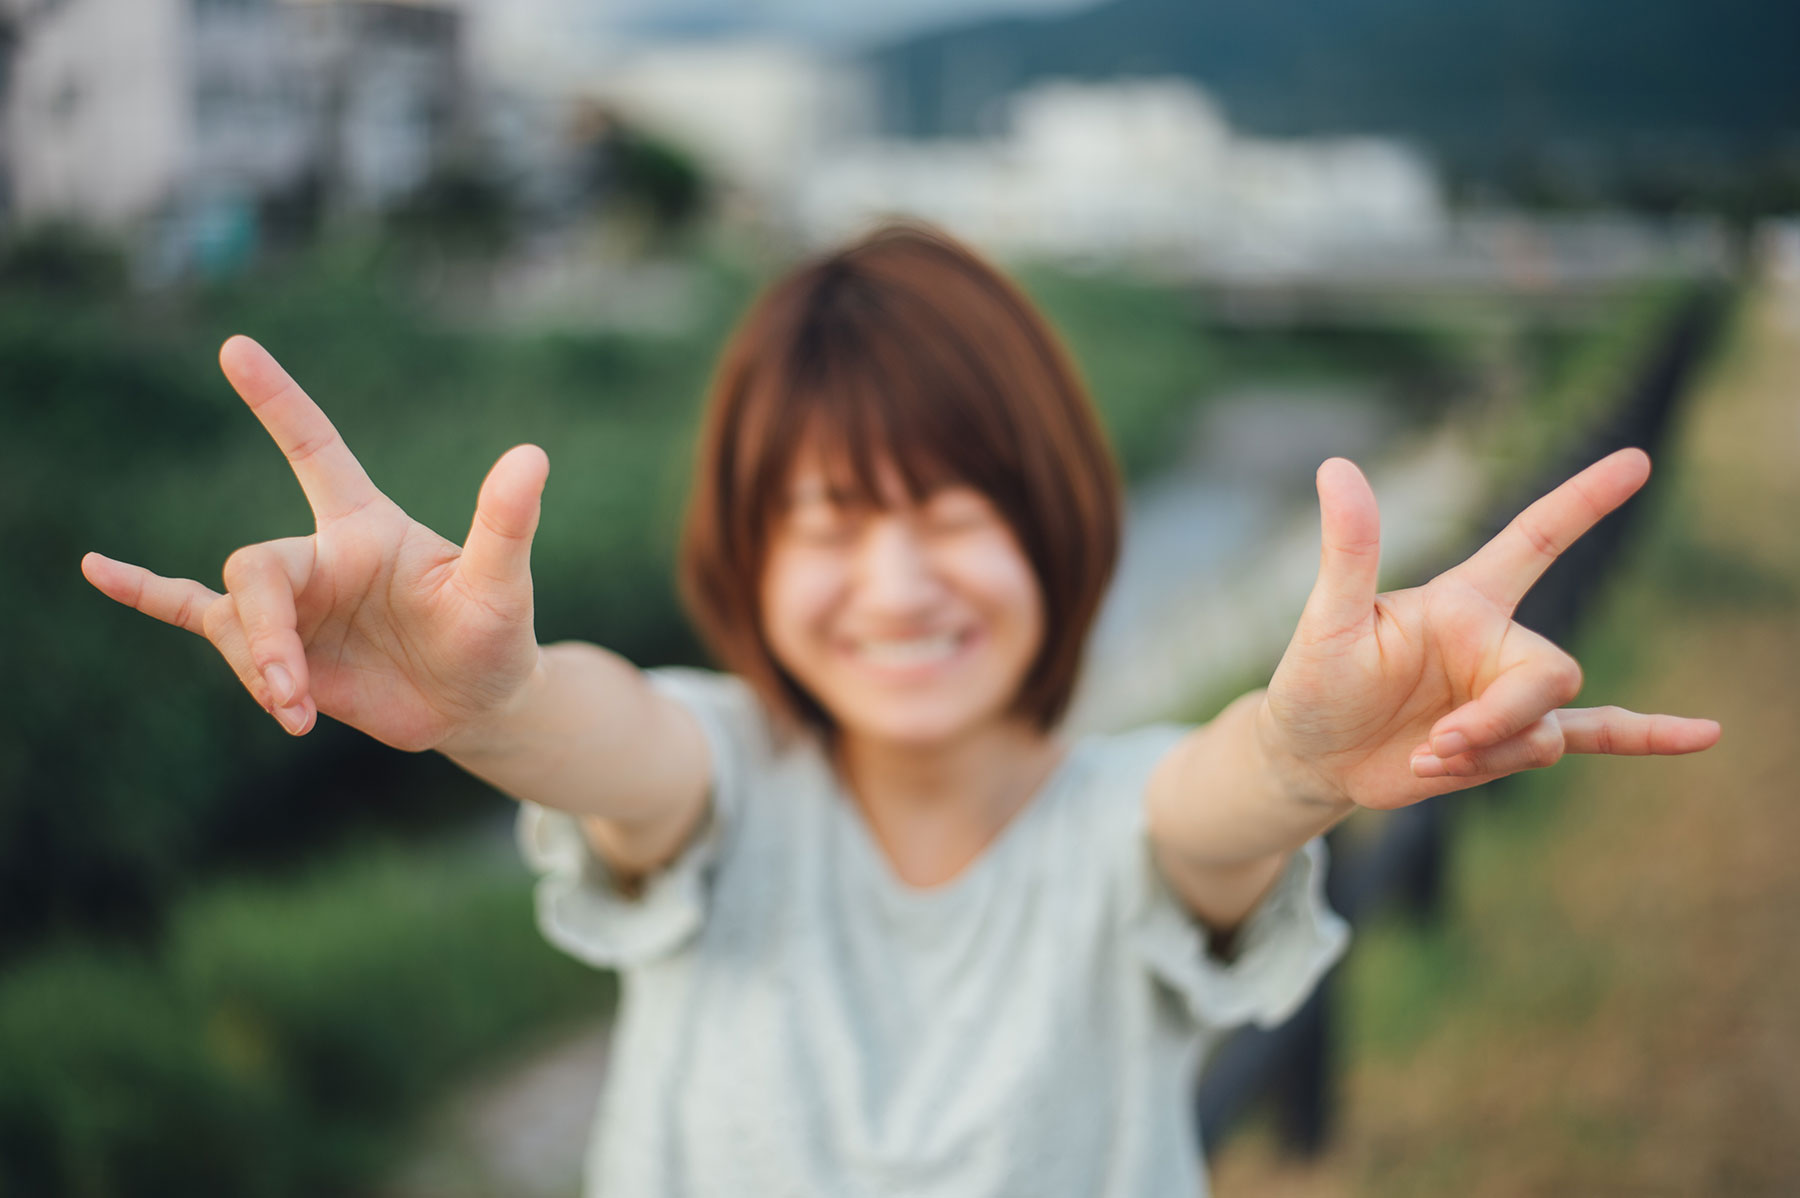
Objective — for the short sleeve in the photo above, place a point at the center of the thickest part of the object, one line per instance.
(580, 907)
(1285, 946)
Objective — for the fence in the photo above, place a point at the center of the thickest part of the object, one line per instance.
(1293, 1065)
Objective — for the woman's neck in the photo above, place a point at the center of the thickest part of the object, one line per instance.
(934, 809)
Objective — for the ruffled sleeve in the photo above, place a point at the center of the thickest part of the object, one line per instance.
(580, 907)
(1282, 950)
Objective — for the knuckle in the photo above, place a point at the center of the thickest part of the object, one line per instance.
(1568, 677)
(1546, 745)
(1603, 737)
(218, 617)
(184, 612)
(1473, 765)
(1540, 541)
(312, 446)
(240, 565)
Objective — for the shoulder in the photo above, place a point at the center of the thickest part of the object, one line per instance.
(1123, 761)
(736, 723)
(1111, 772)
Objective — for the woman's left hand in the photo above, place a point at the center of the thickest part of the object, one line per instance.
(1387, 699)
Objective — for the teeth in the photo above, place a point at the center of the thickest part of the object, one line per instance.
(915, 652)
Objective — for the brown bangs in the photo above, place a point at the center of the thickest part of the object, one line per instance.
(906, 351)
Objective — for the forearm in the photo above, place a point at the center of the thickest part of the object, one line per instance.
(587, 734)
(1224, 814)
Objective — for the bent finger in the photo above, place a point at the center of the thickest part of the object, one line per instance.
(262, 581)
(1623, 733)
(178, 601)
(1511, 703)
(225, 629)
(1539, 745)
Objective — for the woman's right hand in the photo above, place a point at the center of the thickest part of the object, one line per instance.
(374, 619)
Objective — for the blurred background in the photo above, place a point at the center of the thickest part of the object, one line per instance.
(1467, 245)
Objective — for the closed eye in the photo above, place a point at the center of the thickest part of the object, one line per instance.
(959, 509)
(822, 523)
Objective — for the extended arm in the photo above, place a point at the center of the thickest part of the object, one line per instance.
(1384, 700)
(379, 622)
(589, 735)
(1225, 812)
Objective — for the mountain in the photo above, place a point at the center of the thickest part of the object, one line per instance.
(1480, 83)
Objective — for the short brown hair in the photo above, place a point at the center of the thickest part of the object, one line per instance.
(904, 348)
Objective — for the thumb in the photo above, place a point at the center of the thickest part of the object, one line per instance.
(498, 551)
(1349, 551)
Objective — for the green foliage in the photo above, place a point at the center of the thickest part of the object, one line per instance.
(659, 178)
(282, 1036)
(463, 209)
(62, 259)
(1143, 355)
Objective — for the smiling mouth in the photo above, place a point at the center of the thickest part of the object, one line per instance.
(909, 653)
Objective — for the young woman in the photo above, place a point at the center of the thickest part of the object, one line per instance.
(882, 928)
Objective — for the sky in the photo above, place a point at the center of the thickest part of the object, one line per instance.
(833, 22)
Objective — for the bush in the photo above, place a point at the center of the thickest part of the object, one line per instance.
(282, 1036)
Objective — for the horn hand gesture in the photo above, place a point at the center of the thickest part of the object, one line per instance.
(373, 619)
(1388, 699)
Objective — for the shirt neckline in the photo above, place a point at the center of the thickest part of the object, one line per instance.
(849, 815)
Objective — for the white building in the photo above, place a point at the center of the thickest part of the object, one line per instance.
(170, 121)
(761, 114)
(1138, 168)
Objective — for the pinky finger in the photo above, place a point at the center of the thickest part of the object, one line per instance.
(1625, 733)
(178, 601)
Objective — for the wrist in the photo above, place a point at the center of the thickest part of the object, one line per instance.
(1295, 777)
(493, 732)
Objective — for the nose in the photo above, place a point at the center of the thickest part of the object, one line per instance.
(894, 567)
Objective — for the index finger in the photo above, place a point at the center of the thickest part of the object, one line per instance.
(1507, 566)
(334, 481)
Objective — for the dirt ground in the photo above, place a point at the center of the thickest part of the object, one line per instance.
(1621, 1014)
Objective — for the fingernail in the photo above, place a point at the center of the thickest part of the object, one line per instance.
(281, 683)
(1427, 766)
(1449, 744)
(292, 718)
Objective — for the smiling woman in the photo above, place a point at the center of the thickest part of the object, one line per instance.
(912, 622)
(877, 377)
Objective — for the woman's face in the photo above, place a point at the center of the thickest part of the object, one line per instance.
(911, 623)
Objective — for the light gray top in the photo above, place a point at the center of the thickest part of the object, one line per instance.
(795, 1020)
